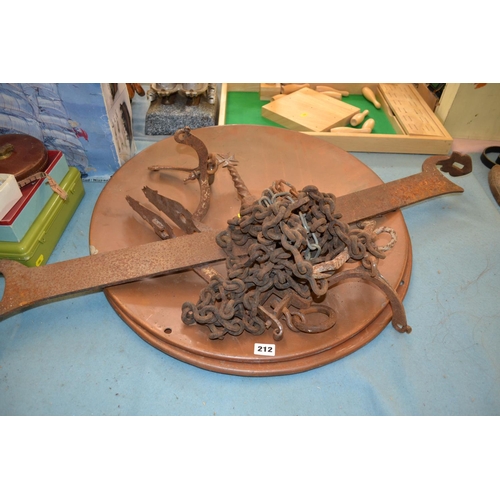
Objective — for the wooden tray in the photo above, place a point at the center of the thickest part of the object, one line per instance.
(390, 97)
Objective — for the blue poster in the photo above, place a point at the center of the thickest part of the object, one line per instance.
(89, 122)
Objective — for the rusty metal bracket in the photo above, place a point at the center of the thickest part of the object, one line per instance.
(398, 311)
(204, 173)
(160, 227)
(173, 209)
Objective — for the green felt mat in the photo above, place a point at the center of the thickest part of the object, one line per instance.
(245, 108)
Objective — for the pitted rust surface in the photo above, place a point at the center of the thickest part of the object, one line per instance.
(27, 286)
(399, 193)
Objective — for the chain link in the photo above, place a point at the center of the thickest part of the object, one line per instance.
(272, 248)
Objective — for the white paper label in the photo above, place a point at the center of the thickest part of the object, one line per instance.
(264, 349)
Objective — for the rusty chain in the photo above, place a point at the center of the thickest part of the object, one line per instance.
(282, 248)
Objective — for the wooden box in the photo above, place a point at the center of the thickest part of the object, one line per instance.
(417, 128)
(471, 110)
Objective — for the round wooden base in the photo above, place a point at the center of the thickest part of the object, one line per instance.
(152, 307)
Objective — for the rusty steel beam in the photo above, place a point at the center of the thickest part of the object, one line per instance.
(26, 287)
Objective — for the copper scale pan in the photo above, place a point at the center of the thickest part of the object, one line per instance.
(152, 307)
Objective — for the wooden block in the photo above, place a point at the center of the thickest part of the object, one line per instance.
(415, 116)
(293, 87)
(326, 88)
(269, 90)
(309, 110)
